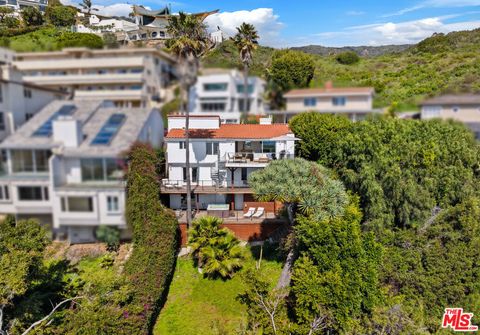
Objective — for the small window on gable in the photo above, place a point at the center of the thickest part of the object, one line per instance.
(182, 145)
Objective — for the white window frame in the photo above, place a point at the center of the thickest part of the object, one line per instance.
(110, 200)
(212, 148)
(4, 193)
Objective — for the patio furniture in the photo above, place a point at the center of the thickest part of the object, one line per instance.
(250, 212)
(259, 213)
(263, 160)
(218, 210)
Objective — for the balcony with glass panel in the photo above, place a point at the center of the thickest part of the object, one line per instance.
(254, 154)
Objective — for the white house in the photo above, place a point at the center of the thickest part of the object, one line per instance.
(20, 100)
(221, 93)
(222, 156)
(65, 165)
(353, 102)
(18, 5)
(128, 77)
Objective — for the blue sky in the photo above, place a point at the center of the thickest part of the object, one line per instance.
(284, 23)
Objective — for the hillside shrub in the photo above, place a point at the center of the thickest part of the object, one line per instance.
(69, 40)
(110, 236)
(61, 16)
(347, 58)
(32, 16)
(155, 237)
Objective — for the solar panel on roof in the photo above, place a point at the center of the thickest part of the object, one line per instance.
(46, 129)
(109, 129)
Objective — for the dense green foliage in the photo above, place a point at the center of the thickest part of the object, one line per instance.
(405, 172)
(336, 277)
(7, 21)
(216, 250)
(406, 77)
(347, 58)
(154, 234)
(50, 39)
(61, 16)
(400, 169)
(32, 16)
(291, 69)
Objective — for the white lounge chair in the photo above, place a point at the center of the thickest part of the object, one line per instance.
(259, 213)
(250, 212)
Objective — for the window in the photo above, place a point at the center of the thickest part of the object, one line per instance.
(30, 160)
(215, 87)
(194, 175)
(4, 193)
(2, 121)
(309, 102)
(1, 94)
(240, 88)
(244, 174)
(46, 129)
(241, 105)
(112, 204)
(213, 106)
(109, 129)
(99, 169)
(27, 93)
(455, 109)
(268, 147)
(77, 204)
(33, 193)
(212, 148)
(339, 101)
(92, 169)
(181, 145)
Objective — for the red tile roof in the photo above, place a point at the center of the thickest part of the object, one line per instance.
(235, 131)
(325, 91)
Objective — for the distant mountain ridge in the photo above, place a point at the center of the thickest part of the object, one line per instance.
(364, 51)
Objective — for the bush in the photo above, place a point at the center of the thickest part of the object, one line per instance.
(110, 41)
(155, 235)
(347, 58)
(61, 16)
(69, 40)
(31, 16)
(110, 236)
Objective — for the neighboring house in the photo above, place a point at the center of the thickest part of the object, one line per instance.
(222, 156)
(65, 165)
(222, 94)
(128, 77)
(152, 24)
(20, 101)
(18, 5)
(462, 107)
(98, 24)
(353, 102)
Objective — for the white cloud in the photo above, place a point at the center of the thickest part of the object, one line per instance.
(118, 9)
(265, 21)
(435, 4)
(407, 32)
(355, 13)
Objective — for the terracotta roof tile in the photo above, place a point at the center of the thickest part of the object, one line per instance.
(235, 131)
(325, 91)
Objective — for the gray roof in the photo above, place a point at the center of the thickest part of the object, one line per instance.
(453, 99)
(92, 114)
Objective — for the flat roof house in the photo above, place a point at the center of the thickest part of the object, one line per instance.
(222, 93)
(128, 77)
(65, 165)
(20, 101)
(222, 156)
(460, 107)
(353, 102)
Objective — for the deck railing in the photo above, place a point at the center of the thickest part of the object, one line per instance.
(202, 184)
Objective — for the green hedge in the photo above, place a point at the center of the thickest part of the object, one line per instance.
(155, 235)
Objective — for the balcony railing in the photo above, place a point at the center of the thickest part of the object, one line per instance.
(254, 157)
(173, 184)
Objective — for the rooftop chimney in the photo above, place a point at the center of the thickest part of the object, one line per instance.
(68, 131)
(329, 85)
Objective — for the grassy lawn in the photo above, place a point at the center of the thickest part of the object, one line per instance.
(196, 305)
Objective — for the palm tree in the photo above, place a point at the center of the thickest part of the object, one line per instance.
(246, 41)
(87, 5)
(188, 40)
(223, 257)
(203, 233)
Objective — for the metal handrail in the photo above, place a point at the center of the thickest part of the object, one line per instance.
(202, 184)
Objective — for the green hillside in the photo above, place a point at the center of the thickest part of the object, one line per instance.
(440, 64)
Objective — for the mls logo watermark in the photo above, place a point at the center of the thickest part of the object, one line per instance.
(459, 321)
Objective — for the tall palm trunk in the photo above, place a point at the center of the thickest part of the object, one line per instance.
(187, 158)
(245, 92)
